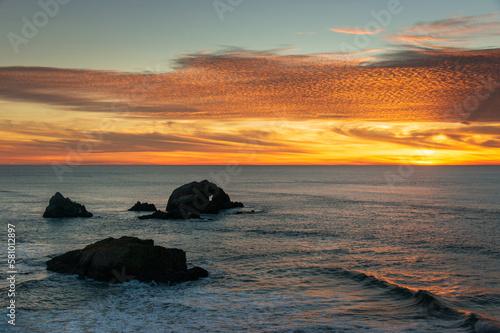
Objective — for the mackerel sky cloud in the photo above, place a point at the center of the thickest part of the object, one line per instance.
(265, 84)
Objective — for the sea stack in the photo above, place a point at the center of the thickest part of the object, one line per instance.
(190, 200)
(200, 198)
(59, 206)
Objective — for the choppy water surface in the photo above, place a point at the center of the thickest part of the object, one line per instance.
(329, 249)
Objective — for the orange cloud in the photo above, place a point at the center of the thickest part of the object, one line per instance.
(356, 31)
(250, 141)
(420, 105)
(408, 86)
(455, 137)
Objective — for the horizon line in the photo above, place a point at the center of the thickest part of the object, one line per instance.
(247, 165)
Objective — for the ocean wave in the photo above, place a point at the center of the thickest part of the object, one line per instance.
(424, 302)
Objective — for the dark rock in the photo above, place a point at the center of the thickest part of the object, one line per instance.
(60, 206)
(199, 198)
(125, 259)
(143, 207)
(170, 215)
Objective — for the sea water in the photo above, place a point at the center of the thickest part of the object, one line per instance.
(327, 249)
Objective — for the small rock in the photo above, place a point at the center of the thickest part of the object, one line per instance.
(143, 207)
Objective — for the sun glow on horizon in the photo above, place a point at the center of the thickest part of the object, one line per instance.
(101, 138)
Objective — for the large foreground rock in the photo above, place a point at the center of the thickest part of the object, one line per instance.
(199, 198)
(59, 206)
(125, 259)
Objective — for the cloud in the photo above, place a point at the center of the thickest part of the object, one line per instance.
(459, 137)
(251, 142)
(408, 85)
(186, 137)
(356, 31)
(463, 32)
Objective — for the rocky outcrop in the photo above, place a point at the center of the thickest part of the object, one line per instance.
(125, 259)
(59, 206)
(199, 198)
(143, 207)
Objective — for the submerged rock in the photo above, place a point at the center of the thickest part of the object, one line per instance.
(199, 198)
(170, 215)
(59, 206)
(125, 259)
(143, 207)
(245, 212)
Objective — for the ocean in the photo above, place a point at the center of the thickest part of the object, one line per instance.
(327, 249)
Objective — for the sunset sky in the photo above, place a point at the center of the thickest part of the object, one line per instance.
(249, 82)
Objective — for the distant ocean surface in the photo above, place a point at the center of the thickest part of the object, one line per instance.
(328, 249)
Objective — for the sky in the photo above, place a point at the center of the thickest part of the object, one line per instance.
(249, 82)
